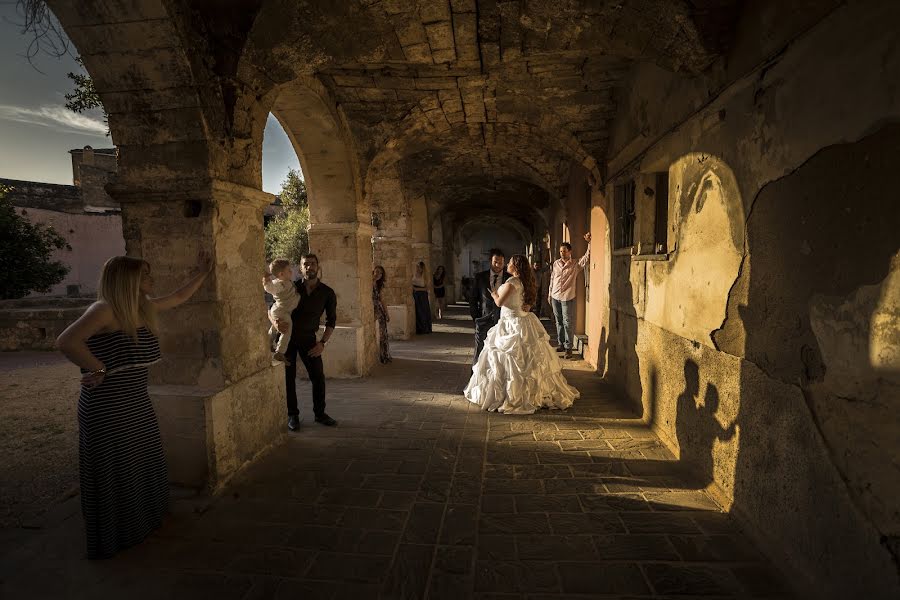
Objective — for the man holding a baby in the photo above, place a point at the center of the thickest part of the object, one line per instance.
(314, 299)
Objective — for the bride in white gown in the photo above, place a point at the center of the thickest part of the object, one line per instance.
(518, 372)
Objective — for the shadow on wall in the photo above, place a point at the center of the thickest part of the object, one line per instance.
(624, 372)
(697, 426)
(791, 407)
(781, 411)
(818, 419)
(602, 352)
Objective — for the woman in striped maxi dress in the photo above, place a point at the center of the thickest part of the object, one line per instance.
(124, 483)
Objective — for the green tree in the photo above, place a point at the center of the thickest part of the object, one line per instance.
(84, 97)
(287, 235)
(293, 191)
(25, 253)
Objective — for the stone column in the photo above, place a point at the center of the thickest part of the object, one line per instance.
(218, 400)
(449, 259)
(345, 259)
(437, 258)
(394, 254)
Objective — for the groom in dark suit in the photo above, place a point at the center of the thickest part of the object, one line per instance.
(484, 311)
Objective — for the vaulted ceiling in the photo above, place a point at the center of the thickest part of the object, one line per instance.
(474, 98)
(485, 99)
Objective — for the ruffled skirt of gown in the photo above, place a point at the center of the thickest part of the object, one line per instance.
(518, 371)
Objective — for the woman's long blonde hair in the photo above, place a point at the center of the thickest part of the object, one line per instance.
(120, 288)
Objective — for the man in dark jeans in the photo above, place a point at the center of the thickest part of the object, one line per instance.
(315, 298)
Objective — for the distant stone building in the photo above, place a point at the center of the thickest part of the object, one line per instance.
(90, 173)
(82, 213)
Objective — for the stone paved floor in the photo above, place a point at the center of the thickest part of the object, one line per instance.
(418, 495)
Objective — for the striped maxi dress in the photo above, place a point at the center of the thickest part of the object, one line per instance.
(124, 482)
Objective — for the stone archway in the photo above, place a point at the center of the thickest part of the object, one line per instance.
(183, 186)
(189, 88)
(340, 230)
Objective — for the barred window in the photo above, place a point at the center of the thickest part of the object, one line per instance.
(624, 215)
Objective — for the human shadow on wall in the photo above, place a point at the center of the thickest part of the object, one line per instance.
(697, 427)
(810, 475)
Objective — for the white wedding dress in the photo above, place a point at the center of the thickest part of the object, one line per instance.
(518, 371)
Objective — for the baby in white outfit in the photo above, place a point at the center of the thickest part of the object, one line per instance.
(278, 283)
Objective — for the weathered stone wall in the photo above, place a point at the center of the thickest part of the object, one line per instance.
(449, 260)
(36, 326)
(392, 248)
(91, 170)
(765, 348)
(46, 196)
(93, 189)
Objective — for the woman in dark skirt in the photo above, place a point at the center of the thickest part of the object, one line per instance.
(381, 314)
(420, 296)
(439, 291)
(124, 483)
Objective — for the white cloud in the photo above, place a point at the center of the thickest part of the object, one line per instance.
(54, 117)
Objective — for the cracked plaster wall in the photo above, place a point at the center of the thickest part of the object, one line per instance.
(780, 293)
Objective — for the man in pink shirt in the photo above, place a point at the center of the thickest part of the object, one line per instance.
(563, 278)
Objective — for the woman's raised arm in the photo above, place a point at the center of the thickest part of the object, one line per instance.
(183, 294)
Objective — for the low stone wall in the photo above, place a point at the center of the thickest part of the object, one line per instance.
(35, 327)
(45, 196)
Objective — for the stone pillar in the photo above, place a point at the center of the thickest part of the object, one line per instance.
(219, 401)
(345, 260)
(394, 254)
(437, 258)
(449, 262)
(460, 270)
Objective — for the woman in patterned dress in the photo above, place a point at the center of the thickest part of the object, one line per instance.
(440, 291)
(381, 314)
(124, 483)
(420, 300)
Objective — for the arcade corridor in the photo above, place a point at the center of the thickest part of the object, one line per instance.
(415, 491)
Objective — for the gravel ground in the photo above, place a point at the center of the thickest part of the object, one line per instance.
(38, 434)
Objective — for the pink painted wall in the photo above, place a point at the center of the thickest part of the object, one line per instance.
(93, 238)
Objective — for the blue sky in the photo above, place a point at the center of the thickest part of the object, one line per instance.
(37, 131)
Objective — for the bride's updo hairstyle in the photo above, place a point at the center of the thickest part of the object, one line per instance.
(526, 276)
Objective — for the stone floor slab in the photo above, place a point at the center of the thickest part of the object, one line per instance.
(418, 494)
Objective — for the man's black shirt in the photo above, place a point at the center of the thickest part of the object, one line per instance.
(308, 314)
